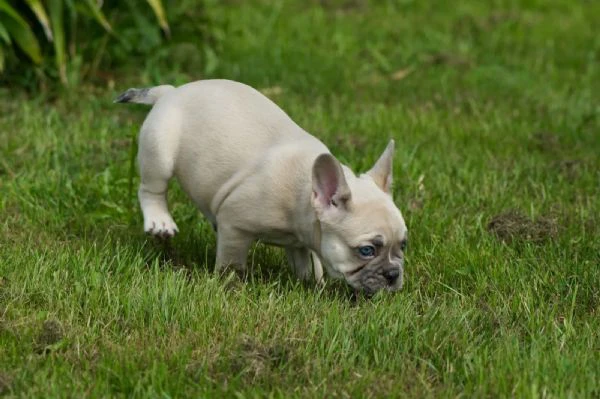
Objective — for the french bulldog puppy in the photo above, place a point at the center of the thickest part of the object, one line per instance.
(257, 175)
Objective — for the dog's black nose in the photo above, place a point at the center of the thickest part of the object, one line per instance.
(391, 275)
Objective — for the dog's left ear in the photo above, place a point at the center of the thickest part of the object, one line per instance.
(330, 189)
(381, 172)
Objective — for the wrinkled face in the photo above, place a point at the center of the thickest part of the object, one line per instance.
(363, 235)
(364, 242)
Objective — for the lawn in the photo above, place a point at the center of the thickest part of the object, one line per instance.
(495, 109)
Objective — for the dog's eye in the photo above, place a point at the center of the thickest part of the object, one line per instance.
(368, 251)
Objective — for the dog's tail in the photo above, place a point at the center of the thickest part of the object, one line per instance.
(148, 95)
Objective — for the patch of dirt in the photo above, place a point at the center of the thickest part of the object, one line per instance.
(5, 382)
(513, 226)
(50, 334)
(254, 361)
(255, 358)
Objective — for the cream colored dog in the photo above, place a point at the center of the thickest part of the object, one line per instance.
(256, 175)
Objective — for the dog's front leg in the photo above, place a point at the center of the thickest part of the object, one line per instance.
(303, 261)
(232, 248)
(317, 268)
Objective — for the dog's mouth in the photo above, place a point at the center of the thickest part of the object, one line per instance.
(367, 285)
(355, 271)
(368, 293)
(361, 289)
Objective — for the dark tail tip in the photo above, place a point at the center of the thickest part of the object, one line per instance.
(127, 96)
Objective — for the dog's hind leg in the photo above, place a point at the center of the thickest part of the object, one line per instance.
(156, 157)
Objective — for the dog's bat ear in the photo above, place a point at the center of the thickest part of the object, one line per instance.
(330, 188)
(381, 172)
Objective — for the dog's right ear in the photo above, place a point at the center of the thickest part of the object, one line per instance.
(381, 172)
(330, 189)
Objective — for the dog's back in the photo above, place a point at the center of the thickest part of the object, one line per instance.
(206, 132)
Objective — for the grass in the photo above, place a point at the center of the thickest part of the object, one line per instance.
(495, 110)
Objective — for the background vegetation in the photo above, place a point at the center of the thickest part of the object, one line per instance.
(495, 110)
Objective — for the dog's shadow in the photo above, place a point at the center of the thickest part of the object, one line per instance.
(267, 265)
(193, 250)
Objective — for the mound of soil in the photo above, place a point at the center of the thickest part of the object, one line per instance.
(513, 226)
(50, 334)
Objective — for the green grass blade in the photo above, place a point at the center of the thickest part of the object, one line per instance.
(20, 32)
(56, 8)
(6, 8)
(160, 14)
(98, 14)
(40, 13)
(1, 59)
(4, 34)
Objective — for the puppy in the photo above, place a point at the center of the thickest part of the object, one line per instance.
(257, 175)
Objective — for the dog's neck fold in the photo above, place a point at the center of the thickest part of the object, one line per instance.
(316, 236)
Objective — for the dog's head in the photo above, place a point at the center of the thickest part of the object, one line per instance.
(363, 234)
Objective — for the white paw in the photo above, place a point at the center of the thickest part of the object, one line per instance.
(161, 226)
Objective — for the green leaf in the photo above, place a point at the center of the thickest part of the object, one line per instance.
(38, 9)
(1, 59)
(60, 51)
(4, 34)
(98, 14)
(20, 32)
(7, 9)
(160, 14)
